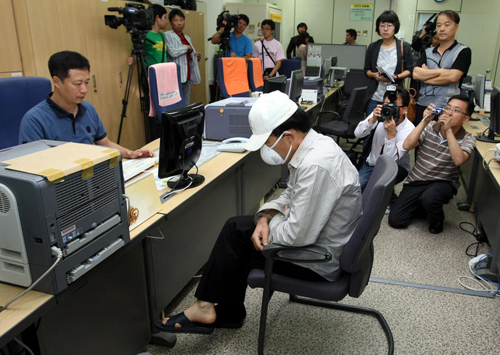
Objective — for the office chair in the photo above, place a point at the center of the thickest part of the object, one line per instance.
(162, 73)
(354, 79)
(356, 259)
(255, 74)
(18, 96)
(288, 66)
(232, 77)
(343, 126)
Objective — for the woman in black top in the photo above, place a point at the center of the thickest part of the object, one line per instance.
(389, 53)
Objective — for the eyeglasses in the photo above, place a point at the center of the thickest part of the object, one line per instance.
(454, 110)
(386, 26)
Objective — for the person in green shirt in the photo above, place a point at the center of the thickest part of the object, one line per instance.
(155, 47)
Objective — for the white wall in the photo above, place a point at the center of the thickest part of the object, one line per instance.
(327, 21)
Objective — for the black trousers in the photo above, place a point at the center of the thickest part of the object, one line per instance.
(429, 196)
(224, 280)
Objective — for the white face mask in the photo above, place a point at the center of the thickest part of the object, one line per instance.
(270, 156)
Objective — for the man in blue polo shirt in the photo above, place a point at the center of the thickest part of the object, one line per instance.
(63, 115)
(241, 45)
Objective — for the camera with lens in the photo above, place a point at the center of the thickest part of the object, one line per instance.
(436, 111)
(135, 18)
(390, 109)
(232, 21)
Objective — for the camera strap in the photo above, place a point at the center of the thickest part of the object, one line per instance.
(264, 47)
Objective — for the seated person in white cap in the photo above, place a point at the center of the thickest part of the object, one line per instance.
(321, 206)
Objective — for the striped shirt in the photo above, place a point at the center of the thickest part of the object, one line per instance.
(177, 53)
(434, 160)
(324, 201)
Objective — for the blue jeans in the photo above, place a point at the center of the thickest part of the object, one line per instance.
(370, 106)
(364, 175)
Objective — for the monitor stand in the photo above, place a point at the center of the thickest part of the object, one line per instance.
(185, 181)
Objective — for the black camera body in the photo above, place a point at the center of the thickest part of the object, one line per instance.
(390, 110)
(135, 18)
(232, 21)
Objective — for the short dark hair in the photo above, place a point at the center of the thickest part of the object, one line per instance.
(268, 22)
(403, 93)
(352, 32)
(158, 10)
(302, 24)
(464, 98)
(244, 18)
(301, 39)
(60, 63)
(175, 12)
(451, 14)
(388, 16)
(298, 121)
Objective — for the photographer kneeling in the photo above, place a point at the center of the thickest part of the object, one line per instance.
(389, 128)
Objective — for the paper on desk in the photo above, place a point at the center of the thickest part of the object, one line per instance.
(143, 199)
(389, 75)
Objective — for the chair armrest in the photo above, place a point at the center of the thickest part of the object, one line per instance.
(303, 255)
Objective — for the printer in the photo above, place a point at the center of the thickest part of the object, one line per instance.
(228, 118)
(84, 214)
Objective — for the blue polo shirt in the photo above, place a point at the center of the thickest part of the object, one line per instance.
(241, 45)
(47, 120)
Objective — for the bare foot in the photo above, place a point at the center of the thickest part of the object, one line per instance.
(200, 312)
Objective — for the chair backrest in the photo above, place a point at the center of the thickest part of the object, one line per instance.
(232, 77)
(162, 74)
(354, 79)
(17, 96)
(357, 255)
(354, 112)
(255, 74)
(288, 66)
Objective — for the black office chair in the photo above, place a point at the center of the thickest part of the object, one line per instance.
(354, 79)
(343, 126)
(356, 259)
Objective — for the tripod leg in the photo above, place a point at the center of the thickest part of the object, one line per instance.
(125, 98)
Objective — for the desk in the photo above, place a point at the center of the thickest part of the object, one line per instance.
(111, 309)
(483, 190)
(329, 103)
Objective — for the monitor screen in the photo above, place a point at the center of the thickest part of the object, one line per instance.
(180, 145)
(275, 83)
(296, 84)
(494, 118)
(479, 88)
(313, 71)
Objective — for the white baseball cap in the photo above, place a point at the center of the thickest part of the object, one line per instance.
(267, 113)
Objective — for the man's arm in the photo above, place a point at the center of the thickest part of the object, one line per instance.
(412, 140)
(424, 73)
(446, 76)
(276, 68)
(126, 153)
(174, 46)
(458, 156)
(368, 124)
(30, 130)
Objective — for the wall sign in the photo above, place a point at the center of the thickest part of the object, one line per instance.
(361, 12)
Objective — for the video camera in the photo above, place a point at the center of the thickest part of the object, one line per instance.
(430, 28)
(390, 109)
(232, 21)
(136, 18)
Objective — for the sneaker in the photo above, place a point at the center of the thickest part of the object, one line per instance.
(436, 228)
(388, 210)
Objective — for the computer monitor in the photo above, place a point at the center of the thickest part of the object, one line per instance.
(296, 84)
(334, 61)
(313, 71)
(479, 89)
(494, 118)
(275, 83)
(180, 145)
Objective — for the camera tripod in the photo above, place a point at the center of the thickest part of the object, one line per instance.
(138, 60)
(224, 51)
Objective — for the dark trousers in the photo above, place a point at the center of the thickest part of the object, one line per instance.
(429, 196)
(224, 280)
(419, 114)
